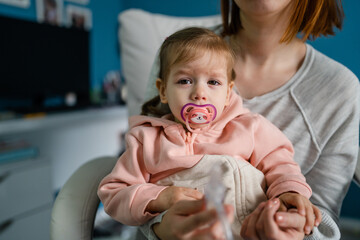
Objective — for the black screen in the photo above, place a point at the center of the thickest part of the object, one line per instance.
(40, 65)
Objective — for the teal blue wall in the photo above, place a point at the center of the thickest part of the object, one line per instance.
(345, 46)
(104, 51)
(104, 46)
(176, 8)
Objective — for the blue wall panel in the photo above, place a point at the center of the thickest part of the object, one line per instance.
(105, 55)
(23, 13)
(104, 46)
(177, 8)
(345, 46)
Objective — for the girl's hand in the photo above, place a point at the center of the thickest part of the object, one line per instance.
(171, 195)
(304, 207)
(190, 220)
(266, 223)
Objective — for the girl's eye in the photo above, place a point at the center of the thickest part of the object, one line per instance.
(214, 82)
(184, 81)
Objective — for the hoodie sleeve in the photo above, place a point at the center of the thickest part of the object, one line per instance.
(125, 192)
(273, 155)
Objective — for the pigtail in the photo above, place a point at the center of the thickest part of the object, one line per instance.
(154, 108)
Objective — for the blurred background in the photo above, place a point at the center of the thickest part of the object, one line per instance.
(83, 115)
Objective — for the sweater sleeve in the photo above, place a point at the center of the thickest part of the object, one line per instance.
(125, 192)
(273, 155)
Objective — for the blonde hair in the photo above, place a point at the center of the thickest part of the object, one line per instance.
(182, 47)
(310, 18)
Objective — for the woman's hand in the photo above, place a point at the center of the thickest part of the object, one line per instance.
(266, 223)
(191, 220)
(171, 195)
(304, 207)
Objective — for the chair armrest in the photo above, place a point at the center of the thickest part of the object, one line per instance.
(75, 207)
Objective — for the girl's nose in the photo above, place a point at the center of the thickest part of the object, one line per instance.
(199, 93)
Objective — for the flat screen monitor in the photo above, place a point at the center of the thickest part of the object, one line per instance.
(43, 68)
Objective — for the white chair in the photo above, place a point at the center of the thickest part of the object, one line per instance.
(75, 207)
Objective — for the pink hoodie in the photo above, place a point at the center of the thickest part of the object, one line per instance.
(159, 147)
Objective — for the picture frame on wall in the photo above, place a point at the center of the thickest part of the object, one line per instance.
(78, 17)
(16, 3)
(84, 2)
(49, 11)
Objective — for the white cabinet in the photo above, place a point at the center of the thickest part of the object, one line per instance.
(35, 226)
(70, 139)
(65, 141)
(26, 199)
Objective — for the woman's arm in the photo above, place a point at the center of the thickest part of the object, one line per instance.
(273, 155)
(332, 173)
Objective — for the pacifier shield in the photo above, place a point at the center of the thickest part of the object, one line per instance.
(198, 114)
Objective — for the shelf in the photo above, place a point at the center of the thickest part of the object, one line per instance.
(59, 119)
(19, 165)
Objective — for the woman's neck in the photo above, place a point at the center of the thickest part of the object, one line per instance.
(261, 34)
(263, 63)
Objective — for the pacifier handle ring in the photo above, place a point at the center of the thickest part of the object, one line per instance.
(214, 113)
(196, 130)
(208, 110)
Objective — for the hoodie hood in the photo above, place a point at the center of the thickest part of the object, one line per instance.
(231, 111)
(164, 121)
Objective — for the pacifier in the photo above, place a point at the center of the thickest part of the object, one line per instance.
(197, 114)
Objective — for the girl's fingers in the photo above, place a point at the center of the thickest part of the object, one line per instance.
(300, 205)
(282, 207)
(297, 202)
(193, 193)
(318, 216)
(309, 220)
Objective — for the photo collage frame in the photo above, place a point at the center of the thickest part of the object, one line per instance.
(70, 13)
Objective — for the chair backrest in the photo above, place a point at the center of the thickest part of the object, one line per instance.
(140, 36)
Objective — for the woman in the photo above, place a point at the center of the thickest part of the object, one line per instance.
(311, 98)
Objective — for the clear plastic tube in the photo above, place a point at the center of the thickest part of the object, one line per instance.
(214, 195)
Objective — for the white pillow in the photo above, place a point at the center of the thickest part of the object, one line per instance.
(140, 36)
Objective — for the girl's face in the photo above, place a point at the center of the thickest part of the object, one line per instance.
(201, 81)
(263, 7)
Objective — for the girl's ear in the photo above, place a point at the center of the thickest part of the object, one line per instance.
(160, 85)
(230, 87)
